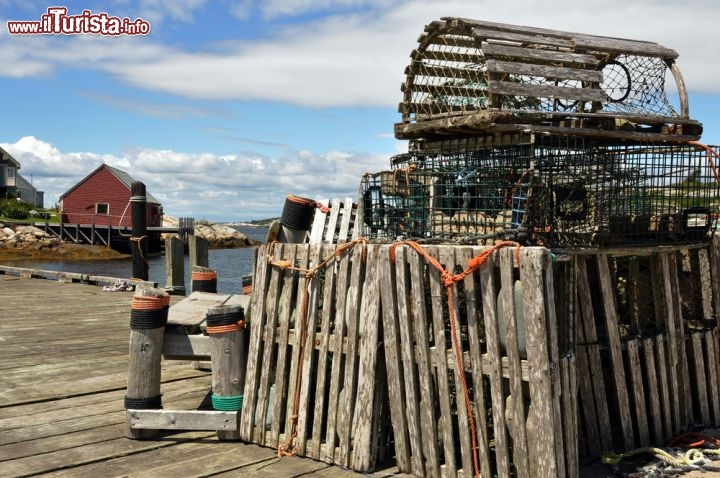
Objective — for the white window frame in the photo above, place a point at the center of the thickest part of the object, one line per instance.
(107, 208)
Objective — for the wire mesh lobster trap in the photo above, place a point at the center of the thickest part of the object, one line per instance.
(549, 190)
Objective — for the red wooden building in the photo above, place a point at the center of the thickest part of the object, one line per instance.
(103, 198)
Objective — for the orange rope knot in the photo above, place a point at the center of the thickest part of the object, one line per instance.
(282, 264)
(323, 208)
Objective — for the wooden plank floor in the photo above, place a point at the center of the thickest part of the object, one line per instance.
(63, 374)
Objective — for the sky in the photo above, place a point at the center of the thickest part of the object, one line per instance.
(224, 107)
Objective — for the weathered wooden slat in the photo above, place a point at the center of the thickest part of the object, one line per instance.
(318, 225)
(699, 374)
(686, 406)
(587, 399)
(668, 406)
(569, 384)
(332, 221)
(445, 428)
(363, 452)
(489, 298)
(324, 359)
(581, 40)
(508, 88)
(547, 71)
(712, 377)
(588, 327)
(346, 212)
(276, 298)
(182, 420)
(715, 272)
(554, 57)
(302, 260)
(309, 370)
(338, 353)
(672, 349)
(347, 405)
(513, 328)
(638, 392)
(620, 45)
(393, 360)
(613, 332)
(405, 319)
(705, 281)
(656, 417)
(554, 355)
(541, 438)
(474, 320)
(428, 420)
(483, 34)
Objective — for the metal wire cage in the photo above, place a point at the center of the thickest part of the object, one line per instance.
(549, 190)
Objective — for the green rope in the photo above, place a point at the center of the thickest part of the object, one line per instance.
(227, 404)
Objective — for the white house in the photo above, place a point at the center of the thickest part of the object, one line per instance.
(13, 184)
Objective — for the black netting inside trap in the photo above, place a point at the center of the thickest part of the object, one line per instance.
(557, 191)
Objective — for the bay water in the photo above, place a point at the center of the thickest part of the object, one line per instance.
(230, 264)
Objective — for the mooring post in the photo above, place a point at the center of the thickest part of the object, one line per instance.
(225, 326)
(138, 239)
(203, 280)
(174, 266)
(198, 250)
(148, 317)
(296, 219)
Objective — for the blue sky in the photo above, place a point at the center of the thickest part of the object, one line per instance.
(227, 106)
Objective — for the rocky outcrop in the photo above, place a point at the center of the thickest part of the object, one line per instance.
(27, 237)
(219, 236)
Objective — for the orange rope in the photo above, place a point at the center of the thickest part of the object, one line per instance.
(694, 440)
(449, 280)
(710, 153)
(289, 448)
(300, 200)
(204, 275)
(150, 303)
(220, 329)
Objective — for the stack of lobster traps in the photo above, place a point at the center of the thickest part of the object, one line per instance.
(523, 136)
(543, 137)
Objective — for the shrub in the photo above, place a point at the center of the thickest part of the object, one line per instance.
(16, 212)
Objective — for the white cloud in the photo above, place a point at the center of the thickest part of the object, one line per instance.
(353, 58)
(217, 187)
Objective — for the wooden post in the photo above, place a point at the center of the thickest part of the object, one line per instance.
(203, 279)
(174, 266)
(198, 250)
(147, 329)
(138, 240)
(227, 350)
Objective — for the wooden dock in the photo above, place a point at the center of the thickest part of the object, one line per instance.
(64, 351)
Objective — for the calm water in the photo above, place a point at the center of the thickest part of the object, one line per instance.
(230, 264)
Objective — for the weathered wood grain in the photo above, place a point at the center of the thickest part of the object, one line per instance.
(613, 332)
(393, 359)
(489, 298)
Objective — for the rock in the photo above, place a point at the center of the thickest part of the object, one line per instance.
(219, 236)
